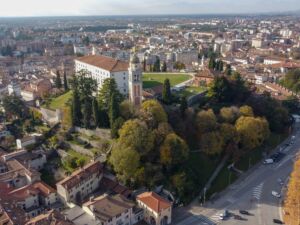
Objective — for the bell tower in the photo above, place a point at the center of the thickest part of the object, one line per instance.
(135, 80)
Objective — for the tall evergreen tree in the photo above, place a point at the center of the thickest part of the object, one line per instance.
(87, 113)
(144, 65)
(76, 109)
(113, 110)
(95, 112)
(164, 67)
(109, 88)
(228, 70)
(66, 87)
(58, 83)
(183, 106)
(221, 66)
(156, 66)
(166, 94)
(212, 63)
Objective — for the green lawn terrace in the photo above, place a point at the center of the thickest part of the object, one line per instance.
(59, 102)
(153, 80)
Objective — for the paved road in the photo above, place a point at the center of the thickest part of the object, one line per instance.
(251, 193)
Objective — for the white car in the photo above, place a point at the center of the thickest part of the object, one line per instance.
(276, 194)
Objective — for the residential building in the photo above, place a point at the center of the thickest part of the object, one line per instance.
(52, 217)
(26, 141)
(157, 210)
(81, 183)
(111, 210)
(102, 67)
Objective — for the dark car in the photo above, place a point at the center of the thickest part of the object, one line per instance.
(278, 221)
(244, 212)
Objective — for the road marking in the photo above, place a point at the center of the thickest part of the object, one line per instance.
(284, 161)
(257, 191)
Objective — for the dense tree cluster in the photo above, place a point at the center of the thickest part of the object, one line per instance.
(292, 80)
(156, 152)
(89, 111)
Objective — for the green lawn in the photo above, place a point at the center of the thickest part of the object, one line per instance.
(154, 79)
(60, 101)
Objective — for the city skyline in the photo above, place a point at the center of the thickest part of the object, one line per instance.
(29, 8)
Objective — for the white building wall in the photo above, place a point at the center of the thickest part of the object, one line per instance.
(100, 75)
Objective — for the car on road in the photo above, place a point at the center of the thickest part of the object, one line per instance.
(244, 212)
(278, 221)
(277, 156)
(276, 194)
(238, 217)
(224, 215)
(268, 161)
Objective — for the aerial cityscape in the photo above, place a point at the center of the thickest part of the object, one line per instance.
(150, 113)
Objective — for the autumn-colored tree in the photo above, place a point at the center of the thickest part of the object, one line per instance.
(229, 114)
(153, 113)
(211, 143)
(135, 134)
(253, 131)
(292, 201)
(173, 151)
(246, 111)
(126, 163)
(206, 121)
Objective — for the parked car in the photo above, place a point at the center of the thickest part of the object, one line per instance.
(276, 194)
(244, 212)
(278, 221)
(268, 161)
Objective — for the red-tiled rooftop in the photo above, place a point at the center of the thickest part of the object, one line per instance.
(154, 201)
(104, 62)
(81, 174)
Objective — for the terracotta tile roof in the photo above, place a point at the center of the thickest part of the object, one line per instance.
(154, 201)
(32, 189)
(81, 174)
(104, 62)
(115, 187)
(50, 218)
(106, 207)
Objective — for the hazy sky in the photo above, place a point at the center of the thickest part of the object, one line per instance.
(125, 7)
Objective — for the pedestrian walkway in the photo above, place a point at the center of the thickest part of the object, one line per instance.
(257, 191)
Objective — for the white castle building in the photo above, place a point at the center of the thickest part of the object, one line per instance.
(128, 76)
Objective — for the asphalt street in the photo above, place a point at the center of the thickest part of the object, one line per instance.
(252, 192)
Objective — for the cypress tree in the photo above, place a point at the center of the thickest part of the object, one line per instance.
(87, 113)
(76, 109)
(183, 106)
(58, 80)
(95, 112)
(113, 110)
(211, 64)
(66, 87)
(228, 70)
(164, 67)
(166, 94)
(221, 65)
